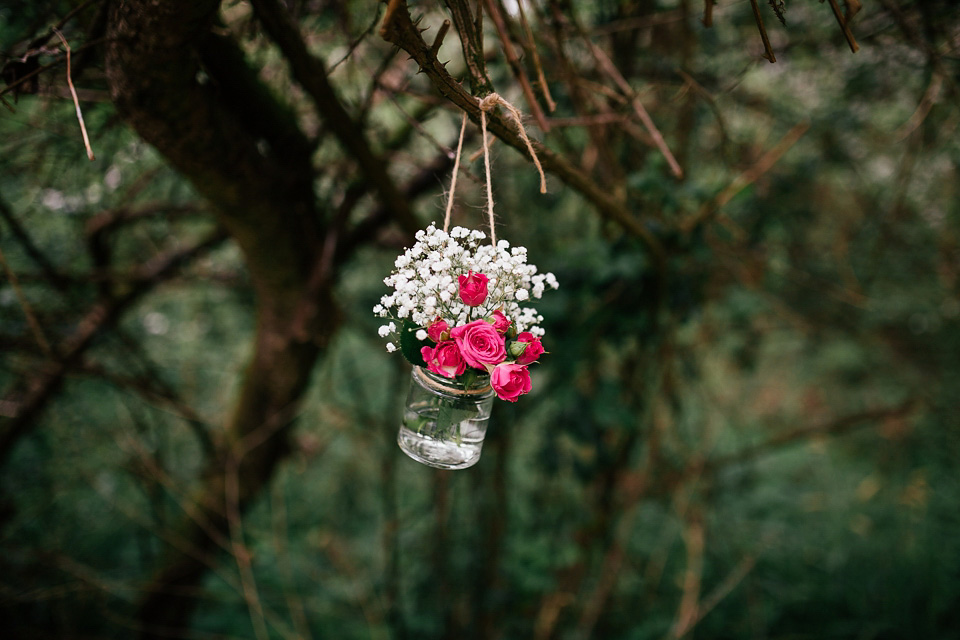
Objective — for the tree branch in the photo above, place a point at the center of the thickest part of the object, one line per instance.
(309, 72)
(29, 403)
(264, 196)
(399, 29)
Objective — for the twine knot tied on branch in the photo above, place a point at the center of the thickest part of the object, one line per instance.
(489, 103)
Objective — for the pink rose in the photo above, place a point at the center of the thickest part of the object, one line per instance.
(473, 288)
(499, 321)
(437, 329)
(533, 351)
(479, 344)
(444, 359)
(510, 381)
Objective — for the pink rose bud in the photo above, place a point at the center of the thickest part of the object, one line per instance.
(444, 359)
(480, 344)
(499, 321)
(438, 331)
(510, 381)
(473, 288)
(533, 350)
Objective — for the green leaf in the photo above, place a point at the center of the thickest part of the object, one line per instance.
(450, 415)
(409, 345)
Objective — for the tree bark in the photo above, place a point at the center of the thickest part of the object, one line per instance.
(190, 94)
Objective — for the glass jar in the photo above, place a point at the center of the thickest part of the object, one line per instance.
(444, 421)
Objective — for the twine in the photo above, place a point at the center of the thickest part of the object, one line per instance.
(439, 386)
(489, 103)
(456, 170)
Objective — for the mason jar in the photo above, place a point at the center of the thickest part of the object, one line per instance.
(444, 421)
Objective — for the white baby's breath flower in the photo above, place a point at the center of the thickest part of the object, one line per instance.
(421, 335)
(391, 347)
(425, 281)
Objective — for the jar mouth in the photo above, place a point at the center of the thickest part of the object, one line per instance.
(480, 385)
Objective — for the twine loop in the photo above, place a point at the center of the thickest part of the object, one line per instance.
(486, 104)
(432, 383)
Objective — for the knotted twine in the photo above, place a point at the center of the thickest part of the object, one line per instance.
(489, 103)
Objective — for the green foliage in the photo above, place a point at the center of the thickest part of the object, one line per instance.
(703, 402)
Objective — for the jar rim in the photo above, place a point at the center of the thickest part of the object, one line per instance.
(480, 386)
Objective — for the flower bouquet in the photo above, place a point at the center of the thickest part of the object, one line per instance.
(455, 313)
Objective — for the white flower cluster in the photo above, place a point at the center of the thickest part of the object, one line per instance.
(426, 286)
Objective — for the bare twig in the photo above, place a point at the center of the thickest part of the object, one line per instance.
(309, 72)
(278, 509)
(836, 427)
(768, 50)
(611, 70)
(687, 610)
(852, 8)
(76, 101)
(586, 121)
(356, 43)
(707, 13)
(441, 34)
(515, 65)
(851, 41)
(724, 589)
(15, 85)
(240, 551)
(399, 29)
(104, 313)
(531, 47)
(27, 309)
(930, 97)
(748, 177)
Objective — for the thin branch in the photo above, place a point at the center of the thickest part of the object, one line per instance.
(851, 41)
(103, 314)
(356, 43)
(748, 177)
(310, 74)
(611, 70)
(441, 34)
(470, 30)
(687, 610)
(32, 321)
(15, 85)
(515, 65)
(792, 436)
(707, 13)
(399, 29)
(76, 100)
(531, 47)
(722, 590)
(768, 50)
(852, 8)
(240, 551)
(161, 396)
(51, 273)
(929, 99)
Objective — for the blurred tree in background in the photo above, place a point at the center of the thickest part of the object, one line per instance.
(747, 424)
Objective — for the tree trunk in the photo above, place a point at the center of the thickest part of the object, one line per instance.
(190, 94)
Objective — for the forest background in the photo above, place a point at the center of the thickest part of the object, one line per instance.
(746, 426)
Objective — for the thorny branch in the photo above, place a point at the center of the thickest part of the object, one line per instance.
(399, 29)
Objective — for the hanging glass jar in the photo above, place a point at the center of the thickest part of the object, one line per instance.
(444, 421)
